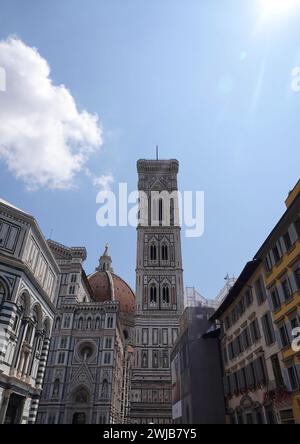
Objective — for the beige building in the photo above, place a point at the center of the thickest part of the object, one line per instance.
(250, 352)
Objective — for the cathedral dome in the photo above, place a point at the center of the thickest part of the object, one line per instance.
(107, 286)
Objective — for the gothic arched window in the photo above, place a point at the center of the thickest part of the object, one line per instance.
(165, 295)
(153, 294)
(89, 324)
(153, 252)
(80, 324)
(164, 253)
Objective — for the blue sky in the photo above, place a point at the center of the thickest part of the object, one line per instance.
(202, 79)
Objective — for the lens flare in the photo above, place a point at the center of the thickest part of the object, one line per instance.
(271, 9)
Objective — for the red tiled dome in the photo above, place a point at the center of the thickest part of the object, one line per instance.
(107, 286)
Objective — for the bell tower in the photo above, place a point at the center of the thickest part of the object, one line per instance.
(159, 290)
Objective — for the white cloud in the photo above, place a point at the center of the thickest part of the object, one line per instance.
(103, 182)
(44, 139)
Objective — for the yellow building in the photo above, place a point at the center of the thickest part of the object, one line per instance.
(280, 254)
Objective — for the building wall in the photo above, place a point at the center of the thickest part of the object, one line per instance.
(28, 282)
(249, 375)
(281, 257)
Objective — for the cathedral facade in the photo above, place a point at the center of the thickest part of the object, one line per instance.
(159, 291)
(87, 379)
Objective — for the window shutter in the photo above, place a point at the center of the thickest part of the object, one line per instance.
(278, 338)
(289, 331)
(265, 330)
(286, 379)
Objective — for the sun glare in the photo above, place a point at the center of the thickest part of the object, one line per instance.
(277, 8)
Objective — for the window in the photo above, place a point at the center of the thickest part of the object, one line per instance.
(165, 295)
(164, 253)
(107, 358)
(260, 370)
(268, 329)
(277, 371)
(63, 342)
(276, 254)
(275, 298)
(287, 241)
(260, 291)
(110, 322)
(248, 297)
(73, 278)
(268, 263)
(153, 294)
(89, 323)
(67, 321)
(72, 290)
(285, 341)
(246, 338)
(108, 343)
(80, 324)
(242, 306)
(255, 331)
(153, 253)
(286, 288)
(61, 358)
(297, 277)
(293, 378)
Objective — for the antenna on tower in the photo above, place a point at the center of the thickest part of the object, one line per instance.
(156, 152)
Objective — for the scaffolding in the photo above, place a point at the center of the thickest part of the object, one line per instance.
(193, 298)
